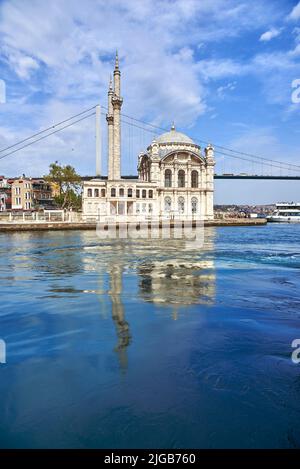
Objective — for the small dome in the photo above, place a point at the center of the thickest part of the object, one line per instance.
(174, 137)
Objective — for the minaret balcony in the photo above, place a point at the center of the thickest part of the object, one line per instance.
(109, 118)
(117, 102)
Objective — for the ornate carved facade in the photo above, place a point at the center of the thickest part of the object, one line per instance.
(175, 179)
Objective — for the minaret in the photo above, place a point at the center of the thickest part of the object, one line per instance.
(117, 104)
(110, 124)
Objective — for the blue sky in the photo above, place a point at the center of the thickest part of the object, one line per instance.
(221, 69)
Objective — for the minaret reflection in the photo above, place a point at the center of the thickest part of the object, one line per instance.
(115, 272)
(172, 273)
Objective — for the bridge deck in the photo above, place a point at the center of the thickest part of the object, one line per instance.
(216, 176)
(255, 176)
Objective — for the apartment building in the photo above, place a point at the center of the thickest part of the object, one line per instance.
(31, 194)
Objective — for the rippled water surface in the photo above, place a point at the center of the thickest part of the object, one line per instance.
(150, 343)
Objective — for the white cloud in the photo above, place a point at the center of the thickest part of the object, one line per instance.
(258, 139)
(221, 90)
(271, 34)
(262, 140)
(220, 68)
(75, 44)
(24, 65)
(295, 52)
(295, 13)
(67, 49)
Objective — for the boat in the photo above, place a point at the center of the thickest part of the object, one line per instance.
(286, 212)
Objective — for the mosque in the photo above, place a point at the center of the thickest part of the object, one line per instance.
(175, 178)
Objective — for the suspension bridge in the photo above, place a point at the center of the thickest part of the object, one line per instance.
(138, 134)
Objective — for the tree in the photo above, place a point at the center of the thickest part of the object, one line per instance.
(68, 185)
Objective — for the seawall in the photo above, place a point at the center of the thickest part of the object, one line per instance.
(55, 226)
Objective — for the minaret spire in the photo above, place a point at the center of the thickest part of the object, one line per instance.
(117, 104)
(117, 61)
(110, 124)
(117, 77)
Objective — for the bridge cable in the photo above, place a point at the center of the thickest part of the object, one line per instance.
(45, 136)
(46, 130)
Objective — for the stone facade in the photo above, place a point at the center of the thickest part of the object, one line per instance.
(31, 194)
(175, 178)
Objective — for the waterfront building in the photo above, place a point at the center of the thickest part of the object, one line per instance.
(31, 194)
(3, 201)
(5, 194)
(175, 177)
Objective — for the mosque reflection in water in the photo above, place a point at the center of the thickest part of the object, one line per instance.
(118, 314)
(173, 274)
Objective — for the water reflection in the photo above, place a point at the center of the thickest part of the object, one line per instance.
(174, 273)
(43, 254)
(63, 386)
(175, 282)
(117, 310)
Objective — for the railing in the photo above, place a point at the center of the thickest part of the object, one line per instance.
(47, 216)
(61, 216)
(140, 218)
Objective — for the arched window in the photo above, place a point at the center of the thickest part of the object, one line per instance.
(150, 208)
(181, 205)
(129, 192)
(96, 193)
(181, 178)
(168, 178)
(194, 178)
(102, 192)
(137, 193)
(89, 193)
(194, 205)
(113, 192)
(144, 193)
(168, 204)
(151, 194)
(121, 192)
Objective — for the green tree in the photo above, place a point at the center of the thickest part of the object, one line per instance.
(68, 184)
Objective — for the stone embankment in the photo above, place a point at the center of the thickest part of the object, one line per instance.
(54, 226)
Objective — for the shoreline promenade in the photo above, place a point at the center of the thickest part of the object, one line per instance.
(55, 226)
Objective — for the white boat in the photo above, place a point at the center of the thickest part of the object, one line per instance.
(286, 213)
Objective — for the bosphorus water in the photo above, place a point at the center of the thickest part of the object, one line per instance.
(159, 344)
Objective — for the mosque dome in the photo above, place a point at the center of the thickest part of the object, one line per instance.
(174, 137)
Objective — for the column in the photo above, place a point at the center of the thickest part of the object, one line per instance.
(117, 104)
